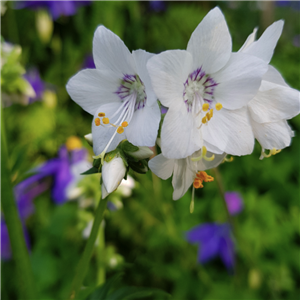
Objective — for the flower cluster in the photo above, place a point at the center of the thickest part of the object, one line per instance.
(218, 101)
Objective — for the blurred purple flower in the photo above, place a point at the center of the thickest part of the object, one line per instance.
(89, 62)
(296, 40)
(213, 240)
(55, 8)
(292, 4)
(163, 109)
(234, 202)
(33, 77)
(157, 6)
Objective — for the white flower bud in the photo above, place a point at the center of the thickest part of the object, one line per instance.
(142, 153)
(89, 138)
(112, 173)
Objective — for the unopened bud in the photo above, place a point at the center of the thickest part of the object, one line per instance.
(89, 139)
(142, 153)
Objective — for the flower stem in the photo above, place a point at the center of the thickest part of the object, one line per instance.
(101, 255)
(222, 192)
(14, 226)
(87, 253)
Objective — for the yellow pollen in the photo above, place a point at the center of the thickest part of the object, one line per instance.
(97, 121)
(211, 113)
(197, 183)
(208, 116)
(205, 107)
(124, 124)
(204, 120)
(101, 114)
(219, 106)
(200, 177)
(73, 142)
(105, 120)
(120, 130)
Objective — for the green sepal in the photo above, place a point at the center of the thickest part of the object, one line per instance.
(111, 155)
(140, 166)
(97, 163)
(92, 170)
(128, 147)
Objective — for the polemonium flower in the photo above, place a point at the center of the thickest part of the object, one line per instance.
(206, 89)
(213, 240)
(55, 8)
(34, 78)
(118, 93)
(186, 171)
(234, 202)
(113, 173)
(275, 101)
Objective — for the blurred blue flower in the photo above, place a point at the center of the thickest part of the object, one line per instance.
(234, 202)
(55, 8)
(157, 6)
(33, 77)
(89, 62)
(292, 4)
(213, 240)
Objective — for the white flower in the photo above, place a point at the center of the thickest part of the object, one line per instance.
(185, 171)
(112, 174)
(118, 93)
(275, 101)
(206, 89)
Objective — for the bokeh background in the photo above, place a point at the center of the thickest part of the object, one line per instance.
(145, 237)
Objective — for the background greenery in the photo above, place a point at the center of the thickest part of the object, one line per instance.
(149, 231)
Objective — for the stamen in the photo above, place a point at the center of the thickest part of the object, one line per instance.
(192, 202)
(205, 107)
(271, 152)
(218, 106)
(124, 124)
(120, 130)
(204, 120)
(200, 177)
(211, 113)
(197, 183)
(228, 159)
(203, 155)
(105, 120)
(208, 116)
(97, 122)
(101, 114)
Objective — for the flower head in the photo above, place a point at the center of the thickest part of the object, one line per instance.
(33, 77)
(234, 202)
(206, 89)
(118, 93)
(213, 240)
(275, 101)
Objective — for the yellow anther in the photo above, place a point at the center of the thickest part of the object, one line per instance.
(105, 120)
(205, 107)
(120, 129)
(197, 183)
(73, 142)
(124, 124)
(203, 155)
(272, 152)
(211, 113)
(228, 159)
(219, 106)
(204, 120)
(97, 121)
(204, 177)
(208, 116)
(101, 114)
(203, 151)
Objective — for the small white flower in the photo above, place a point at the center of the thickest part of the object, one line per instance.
(275, 101)
(185, 171)
(112, 174)
(206, 89)
(118, 93)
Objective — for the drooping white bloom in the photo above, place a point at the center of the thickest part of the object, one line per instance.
(206, 89)
(118, 93)
(275, 101)
(112, 174)
(185, 171)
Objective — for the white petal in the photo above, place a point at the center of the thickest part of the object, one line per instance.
(142, 153)
(104, 192)
(110, 52)
(251, 38)
(274, 76)
(265, 45)
(102, 134)
(112, 173)
(179, 135)
(202, 165)
(212, 148)
(272, 135)
(161, 166)
(91, 88)
(168, 72)
(182, 179)
(239, 80)
(141, 58)
(274, 103)
(230, 131)
(210, 43)
(143, 127)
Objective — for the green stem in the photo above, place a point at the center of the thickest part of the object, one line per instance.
(14, 226)
(101, 255)
(222, 192)
(86, 256)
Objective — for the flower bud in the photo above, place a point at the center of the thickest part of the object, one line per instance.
(142, 153)
(89, 139)
(112, 173)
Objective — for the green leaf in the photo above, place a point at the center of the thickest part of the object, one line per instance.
(97, 163)
(128, 147)
(92, 170)
(140, 166)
